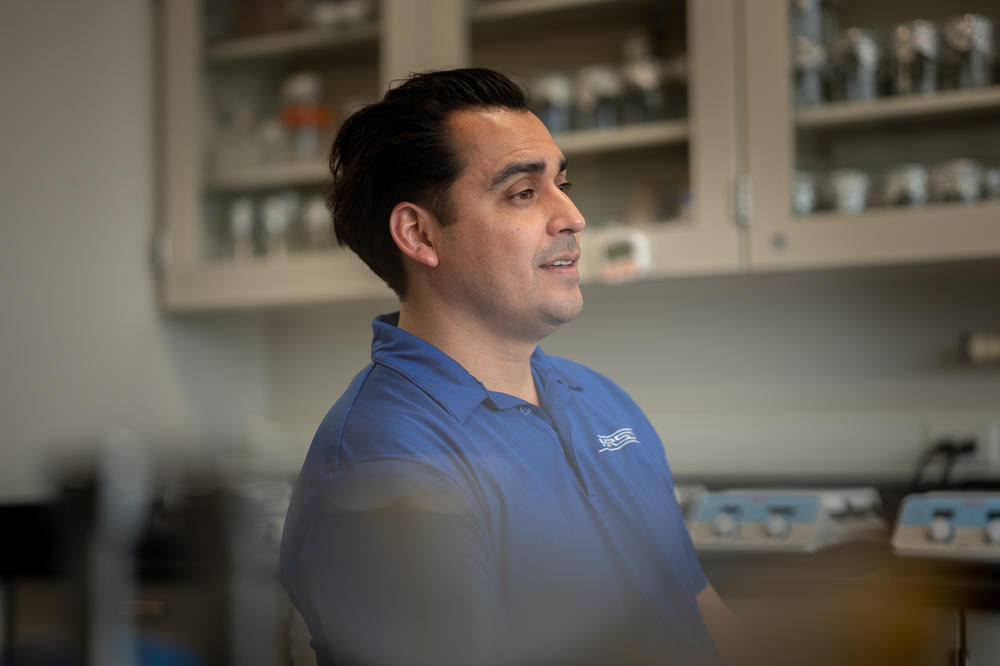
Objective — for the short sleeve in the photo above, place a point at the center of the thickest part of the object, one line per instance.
(396, 567)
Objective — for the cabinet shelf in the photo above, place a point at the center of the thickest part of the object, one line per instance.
(290, 43)
(313, 172)
(299, 278)
(888, 235)
(576, 143)
(945, 103)
(984, 212)
(498, 10)
(627, 137)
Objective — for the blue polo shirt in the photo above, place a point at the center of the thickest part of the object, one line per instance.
(436, 522)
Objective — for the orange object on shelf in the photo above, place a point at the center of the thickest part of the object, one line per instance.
(306, 115)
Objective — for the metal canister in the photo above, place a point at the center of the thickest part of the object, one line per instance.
(957, 180)
(599, 91)
(915, 53)
(642, 76)
(856, 65)
(805, 193)
(241, 216)
(991, 183)
(969, 50)
(814, 19)
(847, 190)
(811, 69)
(675, 86)
(906, 185)
(552, 96)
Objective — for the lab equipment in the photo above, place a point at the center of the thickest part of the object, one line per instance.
(786, 519)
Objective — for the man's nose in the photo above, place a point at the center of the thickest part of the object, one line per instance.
(567, 217)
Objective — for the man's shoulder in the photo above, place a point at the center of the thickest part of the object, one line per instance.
(382, 414)
(584, 377)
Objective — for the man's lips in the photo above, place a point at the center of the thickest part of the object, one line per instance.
(562, 261)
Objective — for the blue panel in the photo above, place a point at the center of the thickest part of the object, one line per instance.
(965, 511)
(754, 507)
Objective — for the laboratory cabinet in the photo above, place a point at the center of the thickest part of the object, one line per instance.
(689, 147)
(872, 131)
(228, 152)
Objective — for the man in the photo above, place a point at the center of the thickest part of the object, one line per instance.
(469, 499)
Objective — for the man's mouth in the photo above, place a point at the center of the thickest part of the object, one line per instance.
(564, 259)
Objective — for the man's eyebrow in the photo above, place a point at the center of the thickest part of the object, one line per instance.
(517, 168)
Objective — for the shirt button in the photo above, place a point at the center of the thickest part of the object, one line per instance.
(524, 409)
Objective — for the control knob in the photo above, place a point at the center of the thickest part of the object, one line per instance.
(993, 531)
(726, 525)
(940, 530)
(776, 526)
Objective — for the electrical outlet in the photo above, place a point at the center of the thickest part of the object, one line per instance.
(985, 460)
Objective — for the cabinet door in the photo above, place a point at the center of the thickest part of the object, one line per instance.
(654, 183)
(228, 144)
(851, 161)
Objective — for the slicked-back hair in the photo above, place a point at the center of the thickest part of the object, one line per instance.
(401, 149)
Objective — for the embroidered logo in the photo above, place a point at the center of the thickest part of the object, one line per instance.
(617, 440)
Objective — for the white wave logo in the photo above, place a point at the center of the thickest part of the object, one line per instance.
(617, 440)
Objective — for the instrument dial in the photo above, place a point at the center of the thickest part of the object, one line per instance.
(777, 526)
(940, 530)
(726, 525)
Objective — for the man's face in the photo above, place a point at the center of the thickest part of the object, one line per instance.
(510, 258)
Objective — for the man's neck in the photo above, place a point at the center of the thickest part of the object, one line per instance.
(501, 364)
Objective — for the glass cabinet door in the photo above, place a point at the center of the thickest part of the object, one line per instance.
(640, 97)
(873, 131)
(253, 93)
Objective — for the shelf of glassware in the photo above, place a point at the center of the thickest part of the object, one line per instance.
(338, 275)
(315, 172)
(778, 238)
(933, 231)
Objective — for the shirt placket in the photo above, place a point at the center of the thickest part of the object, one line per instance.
(555, 399)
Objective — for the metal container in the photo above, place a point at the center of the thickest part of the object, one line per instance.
(847, 190)
(552, 98)
(805, 193)
(599, 90)
(957, 180)
(991, 183)
(810, 71)
(814, 19)
(643, 78)
(969, 51)
(856, 65)
(915, 52)
(675, 86)
(906, 185)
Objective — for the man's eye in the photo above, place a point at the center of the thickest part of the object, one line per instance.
(566, 187)
(524, 195)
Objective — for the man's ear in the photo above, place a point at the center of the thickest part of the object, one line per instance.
(412, 228)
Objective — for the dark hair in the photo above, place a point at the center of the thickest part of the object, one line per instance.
(400, 149)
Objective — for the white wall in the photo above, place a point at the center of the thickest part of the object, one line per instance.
(821, 373)
(82, 344)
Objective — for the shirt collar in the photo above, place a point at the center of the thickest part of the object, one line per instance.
(437, 374)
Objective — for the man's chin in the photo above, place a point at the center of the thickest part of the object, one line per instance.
(564, 312)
